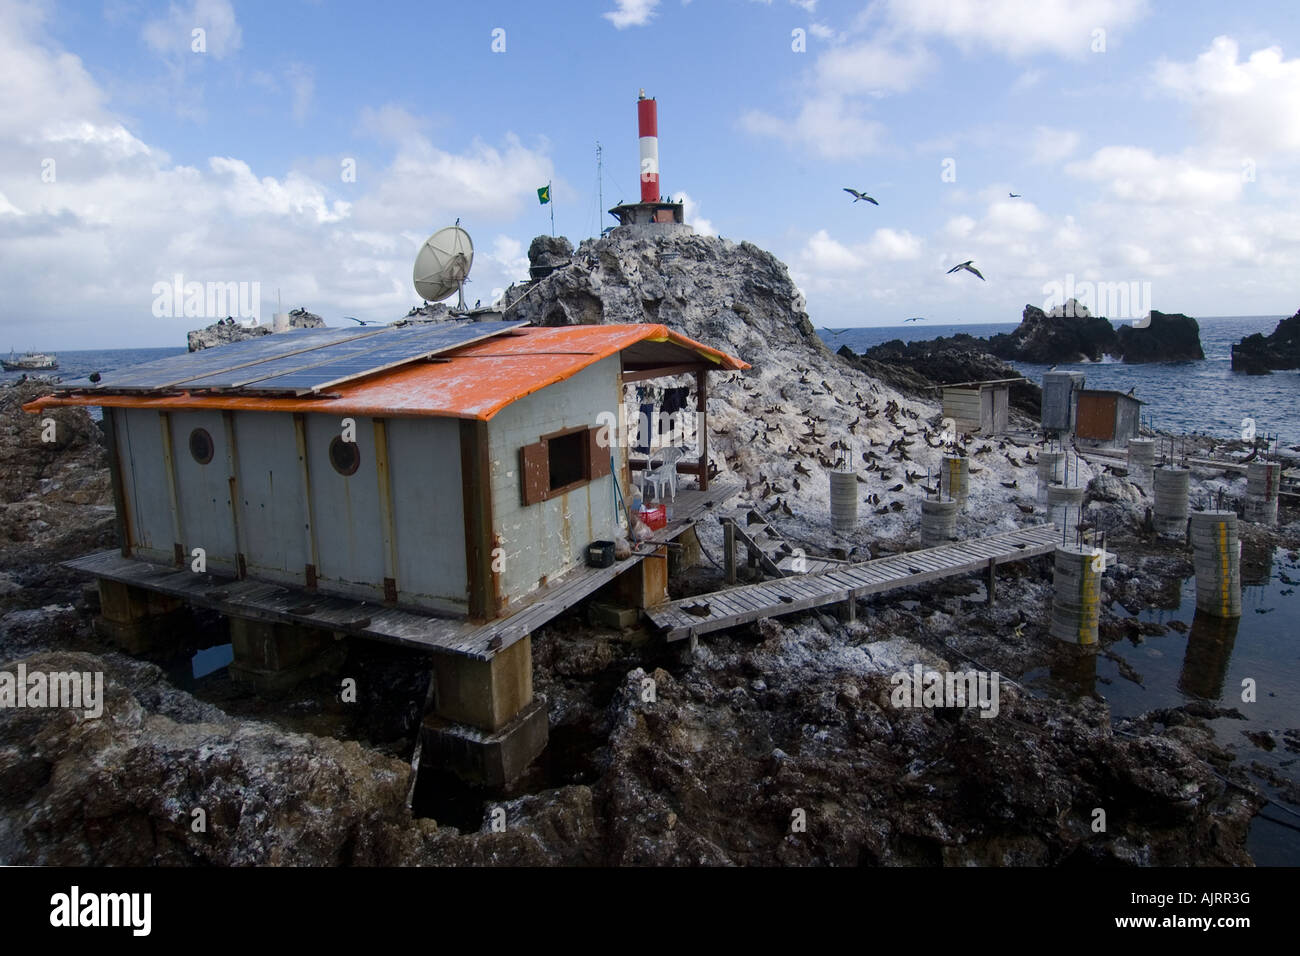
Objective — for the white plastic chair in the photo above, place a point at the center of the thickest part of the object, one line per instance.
(665, 475)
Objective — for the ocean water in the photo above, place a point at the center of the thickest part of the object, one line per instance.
(80, 363)
(1181, 397)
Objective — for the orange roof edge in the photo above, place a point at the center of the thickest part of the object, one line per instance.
(444, 388)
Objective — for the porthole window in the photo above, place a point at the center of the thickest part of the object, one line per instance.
(344, 456)
(201, 445)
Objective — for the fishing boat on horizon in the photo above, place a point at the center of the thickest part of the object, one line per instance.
(29, 362)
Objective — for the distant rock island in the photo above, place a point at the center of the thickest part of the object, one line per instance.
(1261, 354)
(1072, 334)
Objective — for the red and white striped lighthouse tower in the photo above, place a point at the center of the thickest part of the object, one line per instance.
(647, 121)
(651, 212)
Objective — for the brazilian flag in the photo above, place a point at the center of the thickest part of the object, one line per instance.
(544, 194)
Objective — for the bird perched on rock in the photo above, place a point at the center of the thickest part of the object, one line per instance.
(969, 267)
(860, 195)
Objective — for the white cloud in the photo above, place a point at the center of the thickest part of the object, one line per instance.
(1027, 81)
(172, 36)
(1134, 174)
(870, 68)
(833, 126)
(1250, 106)
(1016, 28)
(691, 213)
(302, 87)
(631, 13)
(1052, 145)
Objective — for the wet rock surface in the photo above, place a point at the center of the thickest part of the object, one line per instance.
(1062, 336)
(1167, 338)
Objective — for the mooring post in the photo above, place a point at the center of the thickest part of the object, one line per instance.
(729, 546)
(992, 583)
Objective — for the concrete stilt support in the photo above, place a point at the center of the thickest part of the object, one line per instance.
(1051, 471)
(1063, 505)
(486, 725)
(844, 501)
(938, 521)
(1171, 486)
(272, 658)
(1216, 556)
(1262, 480)
(137, 620)
(991, 586)
(1141, 461)
(1076, 605)
(954, 479)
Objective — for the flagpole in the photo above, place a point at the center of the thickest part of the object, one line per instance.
(551, 196)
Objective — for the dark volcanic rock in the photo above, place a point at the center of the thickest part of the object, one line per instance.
(1056, 338)
(550, 251)
(1260, 354)
(1169, 338)
(918, 366)
(227, 330)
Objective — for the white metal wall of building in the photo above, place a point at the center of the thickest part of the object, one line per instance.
(551, 537)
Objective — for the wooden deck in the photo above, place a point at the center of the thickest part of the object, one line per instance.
(409, 628)
(752, 602)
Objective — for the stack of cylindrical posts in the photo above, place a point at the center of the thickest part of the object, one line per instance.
(1141, 461)
(954, 479)
(1063, 502)
(1216, 556)
(844, 501)
(938, 521)
(1076, 603)
(1051, 471)
(1262, 479)
(1171, 486)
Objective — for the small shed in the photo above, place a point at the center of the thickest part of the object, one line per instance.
(1106, 418)
(979, 407)
(1060, 394)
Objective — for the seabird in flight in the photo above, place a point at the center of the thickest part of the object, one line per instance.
(968, 266)
(857, 195)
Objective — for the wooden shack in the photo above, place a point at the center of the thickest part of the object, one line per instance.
(1106, 419)
(981, 408)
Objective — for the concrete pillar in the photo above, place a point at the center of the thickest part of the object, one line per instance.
(1262, 481)
(1051, 471)
(1171, 486)
(844, 501)
(938, 521)
(1064, 505)
(954, 479)
(272, 658)
(138, 620)
(1141, 461)
(1076, 604)
(1216, 556)
(487, 726)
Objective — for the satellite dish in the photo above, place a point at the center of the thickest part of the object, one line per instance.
(442, 265)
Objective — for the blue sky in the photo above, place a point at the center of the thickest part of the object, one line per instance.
(1164, 150)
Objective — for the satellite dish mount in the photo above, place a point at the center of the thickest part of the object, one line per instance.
(442, 266)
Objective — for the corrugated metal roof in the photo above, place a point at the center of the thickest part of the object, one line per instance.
(475, 381)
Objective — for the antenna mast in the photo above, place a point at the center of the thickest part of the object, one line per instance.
(600, 191)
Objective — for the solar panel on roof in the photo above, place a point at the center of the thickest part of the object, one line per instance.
(162, 373)
(297, 362)
(421, 342)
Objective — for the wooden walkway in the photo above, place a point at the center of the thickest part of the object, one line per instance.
(282, 604)
(768, 550)
(752, 602)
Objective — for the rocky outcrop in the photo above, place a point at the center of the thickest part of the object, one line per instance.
(1167, 338)
(1260, 354)
(1066, 336)
(947, 361)
(50, 491)
(229, 330)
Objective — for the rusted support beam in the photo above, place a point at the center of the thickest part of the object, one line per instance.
(122, 516)
(476, 491)
(309, 520)
(169, 466)
(702, 406)
(388, 529)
